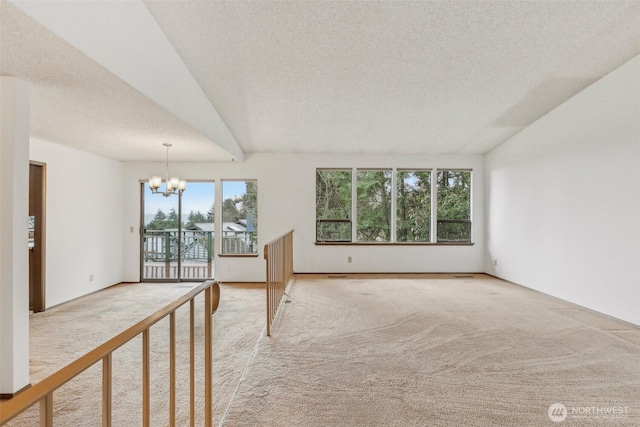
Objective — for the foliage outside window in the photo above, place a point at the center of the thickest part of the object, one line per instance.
(454, 206)
(333, 205)
(413, 207)
(373, 222)
(239, 217)
(412, 215)
(163, 221)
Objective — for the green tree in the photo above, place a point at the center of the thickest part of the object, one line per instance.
(211, 214)
(158, 222)
(454, 205)
(333, 205)
(374, 205)
(333, 194)
(172, 219)
(230, 212)
(249, 204)
(413, 206)
(195, 217)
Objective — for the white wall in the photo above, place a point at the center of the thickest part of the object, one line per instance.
(563, 200)
(84, 221)
(15, 107)
(286, 200)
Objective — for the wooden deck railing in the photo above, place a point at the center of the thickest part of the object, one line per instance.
(279, 259)
(42, 392)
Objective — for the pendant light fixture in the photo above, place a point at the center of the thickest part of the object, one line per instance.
(172, 185)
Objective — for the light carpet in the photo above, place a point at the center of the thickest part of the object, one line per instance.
(437, 350)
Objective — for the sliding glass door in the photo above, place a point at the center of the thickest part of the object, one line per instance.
(178, 234)
(197, 215)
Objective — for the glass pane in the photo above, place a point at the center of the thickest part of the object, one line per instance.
(333, 206)
(32, 231)
(239, 217)
(160, 236)
(197, 236)
(413, 206)
(374, 205)
(454, 206)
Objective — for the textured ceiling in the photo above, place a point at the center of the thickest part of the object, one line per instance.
(332, 77)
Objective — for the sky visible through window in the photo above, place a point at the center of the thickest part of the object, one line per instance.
(198, 196)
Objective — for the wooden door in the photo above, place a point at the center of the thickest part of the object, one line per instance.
(37, 197)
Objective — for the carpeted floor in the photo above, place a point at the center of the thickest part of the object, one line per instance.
(62, 334)
(357, 350)
(437, 351)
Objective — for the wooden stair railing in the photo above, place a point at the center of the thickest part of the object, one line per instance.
(42, 392)
(279, 259)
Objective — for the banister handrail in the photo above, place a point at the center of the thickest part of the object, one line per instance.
(41, 390)
(274, 240)
(278, 255)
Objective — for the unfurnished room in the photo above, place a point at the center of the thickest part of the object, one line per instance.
(319, 213)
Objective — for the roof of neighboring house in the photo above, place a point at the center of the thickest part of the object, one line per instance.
(233, 226)
(204, 226)
(226, 226)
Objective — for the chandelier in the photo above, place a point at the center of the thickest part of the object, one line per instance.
(172, 185)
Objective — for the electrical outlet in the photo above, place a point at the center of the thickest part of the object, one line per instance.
(495, 262)
(91, 277)
(349, 260)
(131, 229)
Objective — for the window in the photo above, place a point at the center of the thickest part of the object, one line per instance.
(413, 207)
(333, 205)
(374, 205)
(393, 205)
(454, 206)
(240, 217)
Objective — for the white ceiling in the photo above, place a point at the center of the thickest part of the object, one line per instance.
(305, 76)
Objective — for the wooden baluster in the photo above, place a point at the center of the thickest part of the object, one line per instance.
(106, 390)
(209, 254)
(46, 411)
(208, 401)
(146, 420)
(266, 257)
(192, 364)
(172, 369)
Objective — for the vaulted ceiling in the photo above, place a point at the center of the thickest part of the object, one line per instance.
(223, 79)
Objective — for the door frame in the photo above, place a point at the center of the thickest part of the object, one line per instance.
(179, 278)
(141, 228)
(37, 286)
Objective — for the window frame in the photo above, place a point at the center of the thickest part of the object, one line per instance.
(354, 206)
(435, 209)
(325, 220)
(255, 238)
(394, 199)
(431, 215)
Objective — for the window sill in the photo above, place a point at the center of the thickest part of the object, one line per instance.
(394, 244)
(238, 255)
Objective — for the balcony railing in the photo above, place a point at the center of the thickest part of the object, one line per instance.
(454, 230)
(161, 249)
(196, 249)
(239, 242)
(162, 245)
(333, 230)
